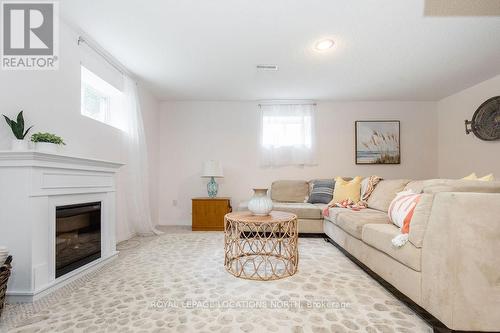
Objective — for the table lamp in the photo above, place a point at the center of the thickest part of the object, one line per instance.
(212, 169)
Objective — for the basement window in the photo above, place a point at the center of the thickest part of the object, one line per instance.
(100, 100)
(287, 134)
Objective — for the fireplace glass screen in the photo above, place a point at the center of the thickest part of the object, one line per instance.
(78, 236)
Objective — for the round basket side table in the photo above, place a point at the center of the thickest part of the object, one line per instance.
(261, 247)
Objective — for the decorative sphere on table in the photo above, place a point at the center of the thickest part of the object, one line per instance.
(260, 204)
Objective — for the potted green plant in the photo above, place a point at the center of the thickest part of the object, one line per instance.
(47, 142)
(17, 128)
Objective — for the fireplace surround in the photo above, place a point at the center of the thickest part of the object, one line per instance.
(37, 189)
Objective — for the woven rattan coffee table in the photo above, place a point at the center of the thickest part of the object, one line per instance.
(261, 247)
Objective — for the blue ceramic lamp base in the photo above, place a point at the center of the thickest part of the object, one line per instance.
(212, 188)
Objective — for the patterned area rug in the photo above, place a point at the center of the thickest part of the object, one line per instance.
(176, 282)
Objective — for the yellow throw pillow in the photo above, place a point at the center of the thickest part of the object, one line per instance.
(487, 178)
(472, 176)
(347, 189)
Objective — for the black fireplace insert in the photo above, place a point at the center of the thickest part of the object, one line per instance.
(78, 236)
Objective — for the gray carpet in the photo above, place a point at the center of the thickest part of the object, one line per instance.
(176, 282)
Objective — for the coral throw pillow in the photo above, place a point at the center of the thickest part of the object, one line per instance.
(402, 208)
(347, 190)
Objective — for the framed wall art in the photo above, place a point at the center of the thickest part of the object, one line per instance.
(378, 142)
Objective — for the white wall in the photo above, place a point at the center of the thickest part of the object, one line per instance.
(461, 154)
(51, 102)
(192, 132)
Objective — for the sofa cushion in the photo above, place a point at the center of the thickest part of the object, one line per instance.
(352, 221)
(417, 186)
(385, 192)
(290, 191)
(460, 185)
(333, 213)
(321, 206)
(302, 210)
(379, 236)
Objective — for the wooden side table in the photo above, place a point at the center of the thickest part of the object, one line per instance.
(208, 213)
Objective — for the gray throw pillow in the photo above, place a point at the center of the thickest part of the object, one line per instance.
(322, 191)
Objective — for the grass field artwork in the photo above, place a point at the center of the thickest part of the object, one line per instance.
(378, 142)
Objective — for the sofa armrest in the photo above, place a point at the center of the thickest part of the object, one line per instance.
(461, 261)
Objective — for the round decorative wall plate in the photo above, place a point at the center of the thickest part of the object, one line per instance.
(485, 123)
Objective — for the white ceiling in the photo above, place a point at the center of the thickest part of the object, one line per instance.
(208, 50)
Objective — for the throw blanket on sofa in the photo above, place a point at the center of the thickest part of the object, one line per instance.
(367, 187)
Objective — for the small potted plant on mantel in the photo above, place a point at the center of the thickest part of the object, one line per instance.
(17, 127)
(47, 142)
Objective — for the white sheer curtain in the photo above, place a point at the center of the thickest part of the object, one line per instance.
(288, 134)
(135, 172)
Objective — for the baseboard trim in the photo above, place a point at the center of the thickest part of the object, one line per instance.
(435, 323)
(27, 296)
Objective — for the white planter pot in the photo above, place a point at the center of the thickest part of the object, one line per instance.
(47, 147)
(19, 145)
(260, 204)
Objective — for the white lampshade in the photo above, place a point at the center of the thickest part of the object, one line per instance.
(212, 169)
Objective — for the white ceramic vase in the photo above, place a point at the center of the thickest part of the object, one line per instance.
(19, 145)
(46, 147)
(260, 204)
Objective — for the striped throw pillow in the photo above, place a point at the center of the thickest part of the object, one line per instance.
(402, 208)
(322, 191)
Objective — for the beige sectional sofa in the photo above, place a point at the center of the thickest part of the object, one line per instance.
(451, 263)
(291, 196)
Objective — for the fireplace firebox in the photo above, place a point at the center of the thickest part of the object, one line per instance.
(78, 236)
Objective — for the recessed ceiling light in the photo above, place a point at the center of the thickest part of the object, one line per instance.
(324, 45)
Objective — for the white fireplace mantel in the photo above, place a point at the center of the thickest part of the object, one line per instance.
(32, 185)
(39, 159)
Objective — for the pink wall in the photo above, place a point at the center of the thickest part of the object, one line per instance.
(192, 132)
